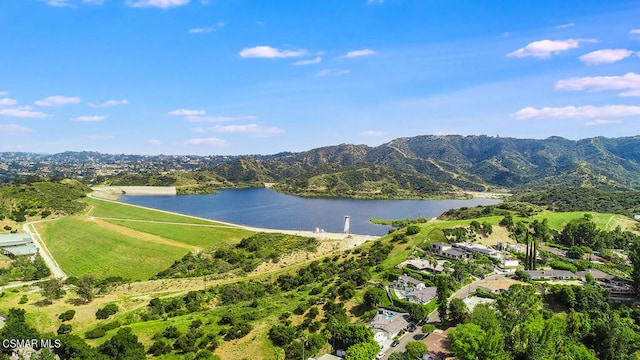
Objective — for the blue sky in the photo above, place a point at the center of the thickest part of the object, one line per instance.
(251, 76)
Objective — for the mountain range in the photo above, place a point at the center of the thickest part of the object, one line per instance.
(410, 166)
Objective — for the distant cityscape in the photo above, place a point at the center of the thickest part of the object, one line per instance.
(91, 165)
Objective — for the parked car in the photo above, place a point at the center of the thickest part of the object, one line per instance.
(412, 327)
(395, 343)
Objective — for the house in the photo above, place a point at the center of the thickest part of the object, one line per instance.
(446, 250)
(551, 275)
(422, 296)
(408, 283)
(499, 285)
(598, 275)
(425, 265)
(438, 344)
(387, 324)
(477, 248)
(14, 245)
(509, 265)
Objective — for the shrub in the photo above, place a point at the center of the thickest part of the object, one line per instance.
(67, 315)
(64, 329)
(95, 333)
(106, 311)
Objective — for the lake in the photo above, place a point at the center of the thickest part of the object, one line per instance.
(266, 208)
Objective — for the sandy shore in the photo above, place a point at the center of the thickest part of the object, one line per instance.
(115, 192)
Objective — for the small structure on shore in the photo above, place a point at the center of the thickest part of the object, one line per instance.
(347, 220)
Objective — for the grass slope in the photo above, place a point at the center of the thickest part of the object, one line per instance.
(83, 247)
(130, 249)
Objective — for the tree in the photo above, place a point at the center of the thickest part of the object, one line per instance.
(85, 286)
(362, 351)
(515, 305)
(52, 289)
(373, 297)
(458, 311)
(466, 341)
(634, 256)
(442, 295)
(416, 349)
(123, 345)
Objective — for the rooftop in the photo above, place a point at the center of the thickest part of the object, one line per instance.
(390, 322)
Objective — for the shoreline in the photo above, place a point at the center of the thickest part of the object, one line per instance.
(352, 240)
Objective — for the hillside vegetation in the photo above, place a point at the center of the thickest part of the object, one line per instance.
(426, 166)
(41, 198)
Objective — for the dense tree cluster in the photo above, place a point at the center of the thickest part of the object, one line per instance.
(245, 256)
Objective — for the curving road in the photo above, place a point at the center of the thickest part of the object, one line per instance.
(42, 249)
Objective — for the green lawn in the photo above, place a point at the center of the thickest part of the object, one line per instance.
(200, 236)
(86, 247)
(82, 247)
(109, 209)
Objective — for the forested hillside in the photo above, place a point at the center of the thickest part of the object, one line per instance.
(34, 197)
(437, 165)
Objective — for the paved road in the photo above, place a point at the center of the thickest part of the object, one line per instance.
(465, 291)
(30, 229)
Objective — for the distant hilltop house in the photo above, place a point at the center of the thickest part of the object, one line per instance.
(431, 267)
(447, 250)
(14, 245)
(414, 290)
(614, 286)
(406, 282)
(551, 275)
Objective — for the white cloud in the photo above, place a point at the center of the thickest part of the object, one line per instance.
(564, 26)
(58, 101)
(4, 93)
(605, 56)
(545, 48)
(186, 112)
(331, 72)
(154, 142)
(634, 32)
(100, 137)
(110, 103)
(94, 118)
(372, 133)
(59, 3)
(630, 82)
(13, 129)
(373, 2)
(93, 2)
(23, 113)
(207, 29)
(602, 122)
(270, 53)
(8, 102)
(163, 4)
(206, 141)
(216, 119)
(358, 53)
(307, 62)
(253, 129)
(576, 112)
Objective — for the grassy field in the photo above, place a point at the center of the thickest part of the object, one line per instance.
(84, 247)
(134, 250)
(200, 236)
(108, 209)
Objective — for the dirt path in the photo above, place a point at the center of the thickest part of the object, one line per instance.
(138, 234)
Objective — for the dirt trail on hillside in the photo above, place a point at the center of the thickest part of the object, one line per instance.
(138, 234)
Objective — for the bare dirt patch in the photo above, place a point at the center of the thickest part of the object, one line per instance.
(138, 234)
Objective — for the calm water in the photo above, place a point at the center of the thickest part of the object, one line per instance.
(270, 209)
